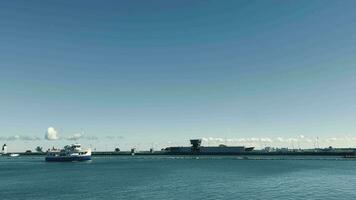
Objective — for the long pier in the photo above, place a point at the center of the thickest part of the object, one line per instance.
(343, 153)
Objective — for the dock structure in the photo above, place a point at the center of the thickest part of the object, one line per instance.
(222, 150)
(350, 153)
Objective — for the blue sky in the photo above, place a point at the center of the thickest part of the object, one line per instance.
(162, 72)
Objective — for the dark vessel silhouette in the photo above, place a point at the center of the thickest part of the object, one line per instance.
(196, 148)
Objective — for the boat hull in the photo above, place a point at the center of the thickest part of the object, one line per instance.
(67, 158)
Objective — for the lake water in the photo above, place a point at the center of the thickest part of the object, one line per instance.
(149, 177)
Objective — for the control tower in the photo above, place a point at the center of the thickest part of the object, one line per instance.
(195, 145)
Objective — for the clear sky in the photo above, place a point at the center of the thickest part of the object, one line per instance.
(142, 73)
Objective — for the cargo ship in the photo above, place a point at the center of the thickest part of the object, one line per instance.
(70, 153)
(196, 148)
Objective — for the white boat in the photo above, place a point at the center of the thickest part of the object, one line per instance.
(70, 153)
(14, 155)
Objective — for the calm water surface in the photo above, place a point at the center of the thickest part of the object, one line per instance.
(149, 177)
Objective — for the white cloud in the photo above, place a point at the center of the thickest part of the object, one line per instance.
(301, 141)
(91, 137)
(75, 136)
(279, 139)
(20, 137)
(78, 136)
(309, 140)
(112, 137)
(266, 140)
(211, 139)
(241, 140)
(51, 134)
(15, 137)
(292, 140)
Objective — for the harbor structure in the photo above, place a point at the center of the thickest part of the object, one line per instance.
(4, 149)
(197, 149)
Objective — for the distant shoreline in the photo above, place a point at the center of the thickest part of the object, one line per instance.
(251, 153)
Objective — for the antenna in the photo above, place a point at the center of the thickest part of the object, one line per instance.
(314, 144)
